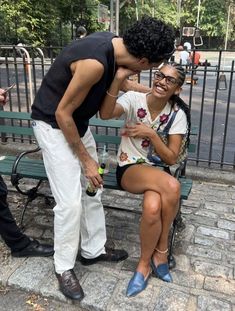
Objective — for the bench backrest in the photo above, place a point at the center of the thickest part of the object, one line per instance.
(106, 132)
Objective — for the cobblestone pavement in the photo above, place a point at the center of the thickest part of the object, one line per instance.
(204, 278)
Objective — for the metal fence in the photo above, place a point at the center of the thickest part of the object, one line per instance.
(209, 91)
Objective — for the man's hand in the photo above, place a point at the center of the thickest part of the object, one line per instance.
(3, 97)
(90, 168)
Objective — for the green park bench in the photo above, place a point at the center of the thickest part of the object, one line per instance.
(16, 126)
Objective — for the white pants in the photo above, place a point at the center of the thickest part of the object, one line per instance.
(75, 212)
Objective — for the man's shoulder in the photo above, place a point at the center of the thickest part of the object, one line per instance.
(101, 35)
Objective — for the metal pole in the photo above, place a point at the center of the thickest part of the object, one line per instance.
(111, 16)
(136, 10)
(28, 63)
(198, 12)
(227, 30)
(117, 17)
(178, 12)
(226, 37)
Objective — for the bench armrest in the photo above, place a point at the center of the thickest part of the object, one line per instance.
(14, 174)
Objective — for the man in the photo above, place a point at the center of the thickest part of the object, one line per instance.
(195, 58)
(70, 94)
(188, 46)
(19, 243)
(184, 56)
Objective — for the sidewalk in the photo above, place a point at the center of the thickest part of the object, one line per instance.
(204, 278)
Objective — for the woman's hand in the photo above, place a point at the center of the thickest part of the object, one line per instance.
(3, 97)
(139, 130)
(123, 73)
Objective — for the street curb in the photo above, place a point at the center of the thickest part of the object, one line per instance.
(211, 175)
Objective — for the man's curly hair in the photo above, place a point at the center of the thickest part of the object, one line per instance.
(150, 38)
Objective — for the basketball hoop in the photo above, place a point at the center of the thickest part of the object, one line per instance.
(188, 31)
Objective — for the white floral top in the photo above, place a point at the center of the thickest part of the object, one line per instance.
(135, 150)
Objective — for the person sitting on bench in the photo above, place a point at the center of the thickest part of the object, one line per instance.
(140, 149)
(20, 244)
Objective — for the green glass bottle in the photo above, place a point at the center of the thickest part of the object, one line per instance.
(91, 191)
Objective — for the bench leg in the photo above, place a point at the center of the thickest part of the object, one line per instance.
(23, 212)
(177, 225)
(171, 259)
(31, 194)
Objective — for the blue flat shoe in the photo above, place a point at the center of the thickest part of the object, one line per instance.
(162, 271)
(137, 284)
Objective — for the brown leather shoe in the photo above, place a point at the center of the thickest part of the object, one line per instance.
(110, 255)
(69, 285)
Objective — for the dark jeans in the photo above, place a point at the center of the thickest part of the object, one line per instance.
(9, 230)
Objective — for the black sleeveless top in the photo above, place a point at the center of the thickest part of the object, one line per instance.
(95, 46)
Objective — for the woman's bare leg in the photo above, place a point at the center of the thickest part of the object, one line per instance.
(150, 229)
(152, 179)
(160, 254)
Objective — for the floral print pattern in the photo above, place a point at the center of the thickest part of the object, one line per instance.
(145, 143)
(140, 161)
(164, 118)
(140, 149)
(123, 156)
(141, 113)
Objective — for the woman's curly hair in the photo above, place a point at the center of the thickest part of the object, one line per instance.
(150, 38)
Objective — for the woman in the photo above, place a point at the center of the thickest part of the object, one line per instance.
(141, 147)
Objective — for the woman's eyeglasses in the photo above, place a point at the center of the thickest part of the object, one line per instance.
(158, 76)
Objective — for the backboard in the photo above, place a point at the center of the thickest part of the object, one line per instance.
(188, 31)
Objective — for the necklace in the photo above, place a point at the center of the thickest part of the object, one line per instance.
(153, 113)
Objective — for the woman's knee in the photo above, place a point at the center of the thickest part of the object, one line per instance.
(152, 210)
(173, 186)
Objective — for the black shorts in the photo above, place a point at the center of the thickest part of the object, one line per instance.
(120, 171)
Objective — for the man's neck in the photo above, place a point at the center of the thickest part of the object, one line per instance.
(122, 56)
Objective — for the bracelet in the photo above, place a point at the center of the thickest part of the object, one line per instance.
(111, 95)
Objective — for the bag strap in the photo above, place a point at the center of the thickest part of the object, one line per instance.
(170, 122)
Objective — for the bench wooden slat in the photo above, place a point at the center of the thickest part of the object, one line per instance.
(28, 168)
(103, 123)
(17, 130)
(34, 169)
(15, 115)
(108, 139)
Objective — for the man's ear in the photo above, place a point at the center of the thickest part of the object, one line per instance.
(143, 61)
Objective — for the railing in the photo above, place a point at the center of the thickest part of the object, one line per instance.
(212, 99)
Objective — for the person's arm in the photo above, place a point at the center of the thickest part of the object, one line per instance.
(168, 153)
(86, 73)
(3, 97)
(129, 85)
(110, 108)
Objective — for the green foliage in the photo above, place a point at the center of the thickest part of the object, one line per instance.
(48, 22)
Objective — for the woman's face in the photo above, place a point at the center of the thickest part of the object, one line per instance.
(165, 82)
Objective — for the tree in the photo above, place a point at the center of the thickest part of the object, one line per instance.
(48, 22)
